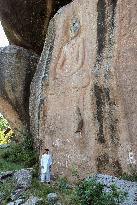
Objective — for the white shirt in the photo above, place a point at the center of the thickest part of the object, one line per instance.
(46, 162)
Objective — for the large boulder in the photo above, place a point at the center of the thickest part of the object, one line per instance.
(125, 67)
(76, 105)
(25, 22)
(17, 67)
(129, 187)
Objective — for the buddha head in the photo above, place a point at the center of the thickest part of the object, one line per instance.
(74, 27)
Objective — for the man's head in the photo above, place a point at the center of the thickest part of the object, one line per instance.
(46, 151)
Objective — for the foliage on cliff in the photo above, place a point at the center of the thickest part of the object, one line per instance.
(22, 153)
(5, 131)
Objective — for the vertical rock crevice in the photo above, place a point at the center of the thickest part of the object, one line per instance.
(99, 114)
(101, 29)
(106, 108)
(101, 42)
(101, 39)
(108, 73)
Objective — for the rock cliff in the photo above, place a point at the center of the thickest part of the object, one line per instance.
(17, 67)
(25, 22)
(83, 93)
(82, 89)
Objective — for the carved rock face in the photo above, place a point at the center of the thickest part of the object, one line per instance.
(79, 114)
(25, 22)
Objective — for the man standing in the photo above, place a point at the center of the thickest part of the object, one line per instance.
(45, 162)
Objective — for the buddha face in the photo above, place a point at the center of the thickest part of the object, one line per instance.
(74, 27)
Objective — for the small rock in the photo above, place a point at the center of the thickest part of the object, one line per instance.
(52, 198)
(32, 201)
(11, 203)
(19, 201)
(2, 146)
(58, 203)
(23, 178)
(16, 194)
(4, 175)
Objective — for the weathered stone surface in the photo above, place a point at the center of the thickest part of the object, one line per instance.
(23, 178)
(17, 67)
(4, 175)
(10, 203)
(16, 194)
(126, 72)
(37, 98)
(79, 111)
(52, 198)
(25, 21)
(32, 201)
(18, 201)
(126, 186)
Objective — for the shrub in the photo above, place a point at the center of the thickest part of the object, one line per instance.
(132, 177)
(22, 153)
(6, 132)
(2, 138)
(6, 188)
(91, 192)
(62, 184)
(75, 172)
(40, 190)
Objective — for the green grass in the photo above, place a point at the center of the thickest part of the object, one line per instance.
(6, 188)
(132, 178)
(42, 190)
(7, 165)
(17, 156)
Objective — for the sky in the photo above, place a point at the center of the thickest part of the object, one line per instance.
(3, 38)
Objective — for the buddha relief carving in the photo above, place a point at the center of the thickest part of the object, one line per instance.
(72, 57)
